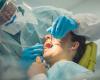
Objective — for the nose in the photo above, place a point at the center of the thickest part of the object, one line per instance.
(48, 36)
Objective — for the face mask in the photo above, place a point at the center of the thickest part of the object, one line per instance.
(10, 21)
(13, 26)
(7, 12)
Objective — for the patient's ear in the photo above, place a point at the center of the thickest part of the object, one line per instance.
(75, 45)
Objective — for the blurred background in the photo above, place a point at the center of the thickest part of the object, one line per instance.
(76, 6)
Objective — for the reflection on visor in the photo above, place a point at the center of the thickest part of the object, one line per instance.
(7, 12)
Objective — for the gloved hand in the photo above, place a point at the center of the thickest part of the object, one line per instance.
(61, 26)
(29, 55)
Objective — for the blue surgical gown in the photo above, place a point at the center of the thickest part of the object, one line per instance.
(67, 70)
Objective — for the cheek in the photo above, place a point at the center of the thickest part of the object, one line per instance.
(5, 16)
(51, 52)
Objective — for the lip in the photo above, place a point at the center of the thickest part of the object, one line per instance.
(48, 45)
(47, 48)
(46, 52)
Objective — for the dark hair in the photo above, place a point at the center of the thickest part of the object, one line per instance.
(81, 48)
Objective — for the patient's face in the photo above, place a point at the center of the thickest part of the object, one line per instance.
(53, 47)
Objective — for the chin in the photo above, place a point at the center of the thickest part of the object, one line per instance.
(46, 54)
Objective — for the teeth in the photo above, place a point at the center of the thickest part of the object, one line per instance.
(48, 43)
(49, 40)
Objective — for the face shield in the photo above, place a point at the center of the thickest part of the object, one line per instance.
(7, 11)
(45, 16)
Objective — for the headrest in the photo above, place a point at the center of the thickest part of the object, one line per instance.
(89, 58)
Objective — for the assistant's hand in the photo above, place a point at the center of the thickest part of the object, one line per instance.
(61, 26)
(36, 68)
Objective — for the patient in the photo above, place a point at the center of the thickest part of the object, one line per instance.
(60, 54)
(70, 48)
(64, 49)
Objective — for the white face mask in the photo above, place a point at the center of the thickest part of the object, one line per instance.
(13, 18)
(12, 26)
(19, 22)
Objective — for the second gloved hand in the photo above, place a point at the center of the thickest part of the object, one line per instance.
(61, 26)
(29, 55)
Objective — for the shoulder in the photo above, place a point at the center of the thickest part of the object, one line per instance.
(65, 69)
(72, 65)
(69, 66)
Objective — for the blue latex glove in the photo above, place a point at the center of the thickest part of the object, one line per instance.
(61, 26)
(29, 55)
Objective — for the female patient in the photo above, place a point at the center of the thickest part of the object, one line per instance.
(62, 56)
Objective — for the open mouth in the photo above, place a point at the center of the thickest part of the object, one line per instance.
(48, 45)
(48, 42)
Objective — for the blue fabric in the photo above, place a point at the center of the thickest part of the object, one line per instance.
(66, 70)
(61, 26)
(29, 55)
(46, 15)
